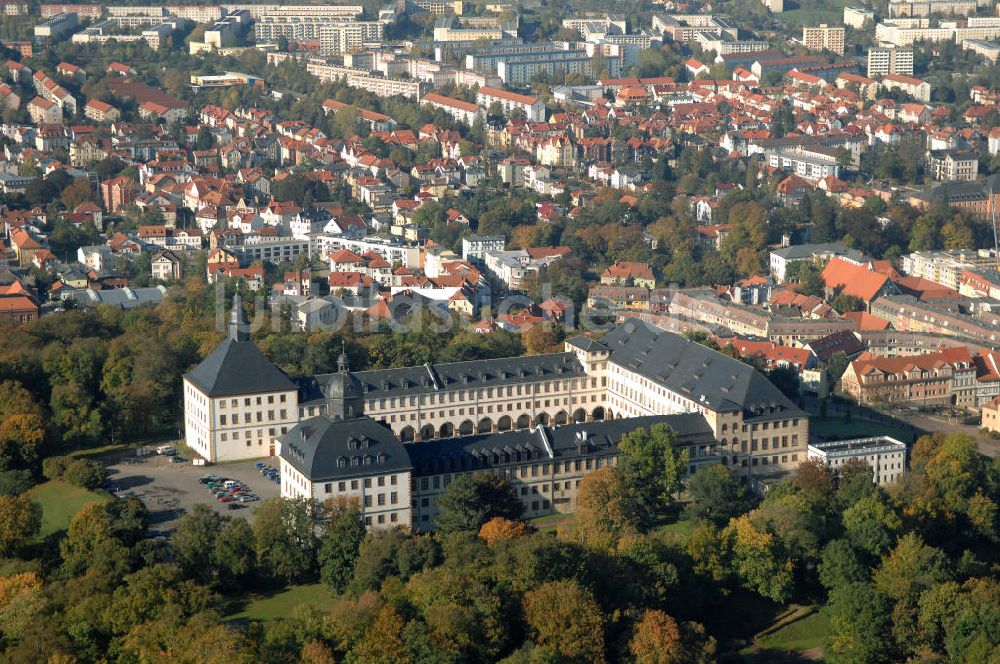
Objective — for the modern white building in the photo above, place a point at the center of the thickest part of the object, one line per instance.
(532, 107)
(886, 456)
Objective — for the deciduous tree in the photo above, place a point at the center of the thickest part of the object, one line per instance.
(565, 619)
(472, 500)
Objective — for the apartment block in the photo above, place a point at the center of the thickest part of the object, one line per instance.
(883, 61)
(824, 38)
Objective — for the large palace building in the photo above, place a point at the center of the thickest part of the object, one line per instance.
(394, 437)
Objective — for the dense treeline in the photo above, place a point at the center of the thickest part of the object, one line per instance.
(908, 573)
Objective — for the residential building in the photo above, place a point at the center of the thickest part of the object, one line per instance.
(117, 193)
(952, 165)
(532, 108)
(44, 111)
(166, 266)
(916, 88)
(100, 111)
(883, 61)
(886, 456)
(944, 377)
(782, 259)
(463, 111)
(824, 38)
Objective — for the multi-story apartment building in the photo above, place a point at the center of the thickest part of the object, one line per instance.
(916, 88)
(911, 8)
(463, 111)
(952, 165)
(781, 259)
(824, 38)
(946, 267)
(334, 34)
(518, 71)
(474, 247)
(89, 11)
(884, 455)
(944, 377)
(811, 164)
(687, 27)
(890, 60)
(906, 31)
(533, 108)
(908, 314)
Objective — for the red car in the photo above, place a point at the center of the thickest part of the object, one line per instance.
(225, 499)
(237, 489)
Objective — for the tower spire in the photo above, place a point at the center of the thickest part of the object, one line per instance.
(342, 364)
(239, 326)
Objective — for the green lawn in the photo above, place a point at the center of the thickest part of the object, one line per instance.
(803, 634)
(838, 428)
(60, 501)
(278, 604)
(550, 522)
(810, 12)
(682, 527)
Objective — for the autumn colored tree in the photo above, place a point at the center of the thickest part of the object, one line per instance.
(656, 639)
(566, 620)
(382, 643)
(606, 509)
(500, 529)
(814, 480)
(20, 520)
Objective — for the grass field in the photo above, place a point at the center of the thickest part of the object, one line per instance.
(550, 522)
(839, 428)
(809, 12)
(60, 501)
(682, 527)
(803, 634)
(278, 604)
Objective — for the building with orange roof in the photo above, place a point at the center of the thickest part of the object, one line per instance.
(774, 355)
(861, 281)
(944, 377)
(867, 322)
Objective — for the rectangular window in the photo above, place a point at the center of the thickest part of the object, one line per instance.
(328, 487)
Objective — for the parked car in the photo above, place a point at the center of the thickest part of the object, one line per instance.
(209, 478)
(235, 506)
(225, 499)
(259, 465)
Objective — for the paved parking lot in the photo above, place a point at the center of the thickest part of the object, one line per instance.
(171, 489)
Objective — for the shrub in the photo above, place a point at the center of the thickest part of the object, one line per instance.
(54, 468)
(86, 473)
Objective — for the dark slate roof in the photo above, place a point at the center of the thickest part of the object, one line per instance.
(845, 341)
(406, 381)
(586, 344)
(491, 450)
(323, 449)
(721, 383)
(238, 367)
